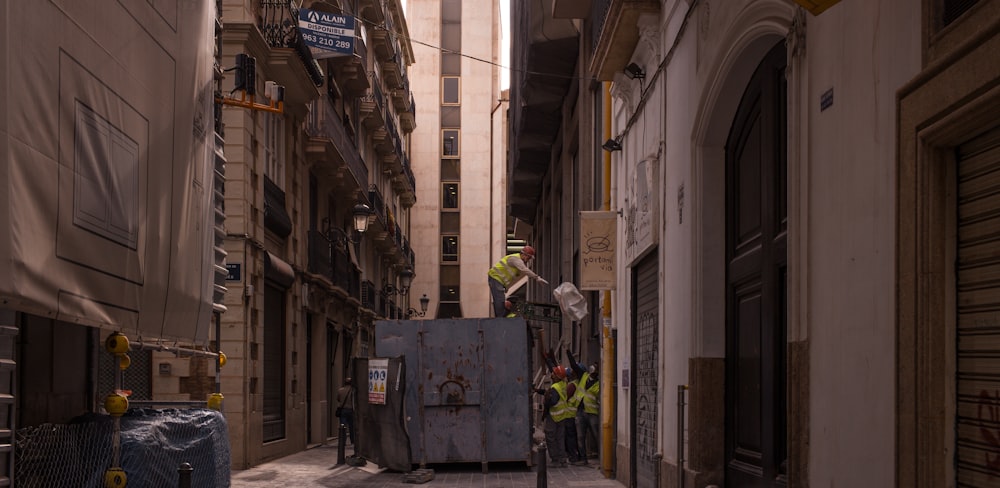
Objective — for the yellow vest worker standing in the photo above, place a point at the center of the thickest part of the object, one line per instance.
(506, 272)
(556, 411)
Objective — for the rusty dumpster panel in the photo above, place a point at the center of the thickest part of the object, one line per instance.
(468, 387)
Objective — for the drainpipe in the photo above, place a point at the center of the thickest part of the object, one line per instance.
(607, 344)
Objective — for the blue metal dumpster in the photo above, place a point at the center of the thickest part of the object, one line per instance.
(468, 387)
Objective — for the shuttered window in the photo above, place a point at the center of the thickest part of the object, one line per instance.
(977, 409)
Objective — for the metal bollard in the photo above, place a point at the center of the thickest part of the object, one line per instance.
(542, 480)
(184, 475)
(341, 444)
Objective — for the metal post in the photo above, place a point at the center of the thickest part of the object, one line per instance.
(543, 476)
(184, 475)
(341, 443)
(681, 390)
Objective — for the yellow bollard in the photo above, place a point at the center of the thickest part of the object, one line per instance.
(115, 478)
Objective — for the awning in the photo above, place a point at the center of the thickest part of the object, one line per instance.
(278, 271)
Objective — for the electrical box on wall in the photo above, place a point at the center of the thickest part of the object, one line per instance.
(816, 7)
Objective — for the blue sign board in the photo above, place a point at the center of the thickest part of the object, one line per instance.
(234, 271)
(327, 34)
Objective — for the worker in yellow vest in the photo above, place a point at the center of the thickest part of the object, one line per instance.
(556, 410)
(506, 272)
(587, 400)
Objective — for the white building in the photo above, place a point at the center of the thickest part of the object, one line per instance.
(805, 247)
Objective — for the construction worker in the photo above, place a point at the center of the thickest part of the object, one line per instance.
(569, 423)
(588, 390)
(509, 307)
(506, 272)
(556, 411)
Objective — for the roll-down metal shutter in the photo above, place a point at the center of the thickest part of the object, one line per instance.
(978, 308)
(645, 360)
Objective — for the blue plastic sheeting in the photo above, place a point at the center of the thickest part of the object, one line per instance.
(153, 445)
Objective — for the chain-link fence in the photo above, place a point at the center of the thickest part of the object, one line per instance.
(153, 444)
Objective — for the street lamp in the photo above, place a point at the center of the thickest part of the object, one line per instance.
(405, 280)
(424, 302)
(359, 216)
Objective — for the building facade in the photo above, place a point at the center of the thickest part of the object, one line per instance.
(459, 222)
(317, 218)
(112, 170)
(804, 258)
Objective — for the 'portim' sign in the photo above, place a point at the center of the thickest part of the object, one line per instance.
(328, 35)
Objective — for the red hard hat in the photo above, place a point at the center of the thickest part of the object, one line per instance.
(528, 250)
(559, 372)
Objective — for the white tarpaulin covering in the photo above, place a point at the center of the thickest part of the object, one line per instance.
(106, 136)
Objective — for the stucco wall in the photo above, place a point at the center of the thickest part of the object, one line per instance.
(841, 164)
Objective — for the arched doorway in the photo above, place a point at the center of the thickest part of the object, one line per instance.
(756, 271)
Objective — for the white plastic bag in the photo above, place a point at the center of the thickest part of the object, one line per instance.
(571, 301)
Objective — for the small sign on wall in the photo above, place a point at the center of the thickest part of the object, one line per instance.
(378, 370)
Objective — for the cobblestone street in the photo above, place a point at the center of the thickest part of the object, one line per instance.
(317, 468)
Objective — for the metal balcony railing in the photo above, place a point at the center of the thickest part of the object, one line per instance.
(369, 295)
(333, 263)
(320, 254)
(325, 123)
(378, 204)
(278, 23)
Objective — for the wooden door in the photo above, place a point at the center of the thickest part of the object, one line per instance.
(756, 229)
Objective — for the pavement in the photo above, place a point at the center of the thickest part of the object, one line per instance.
(317, 468)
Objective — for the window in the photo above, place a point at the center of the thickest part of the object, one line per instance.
(450, 90)
(449, 143)
(451, 169)
(451, 116)
(450, 293)
(451, 64)
(451, 37)
(451, 11)
(106, 180)
(274, 149)
(449, 195)
(953, 9)
(451, 222)
(449, 248)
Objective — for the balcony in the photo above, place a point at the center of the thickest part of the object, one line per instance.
(334, 265)
(393, 72)
(382, 43)
(408, 117)
(378, 229)
(350, 71)
(372, 11)
(278, 23)
(543, 62)
(332, 151)
(369, 296)
(373, 105)
(619, 35)
(407, 185)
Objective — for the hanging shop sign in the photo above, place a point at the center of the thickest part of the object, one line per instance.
(328, 35)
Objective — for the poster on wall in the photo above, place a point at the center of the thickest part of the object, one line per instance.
(378, 369)
(598, 239)
(641, 209)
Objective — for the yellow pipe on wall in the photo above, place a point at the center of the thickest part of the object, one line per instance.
(607, 344)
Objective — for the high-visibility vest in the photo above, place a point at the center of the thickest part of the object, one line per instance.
(561, 411)
(590, 404)
(503, 272)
